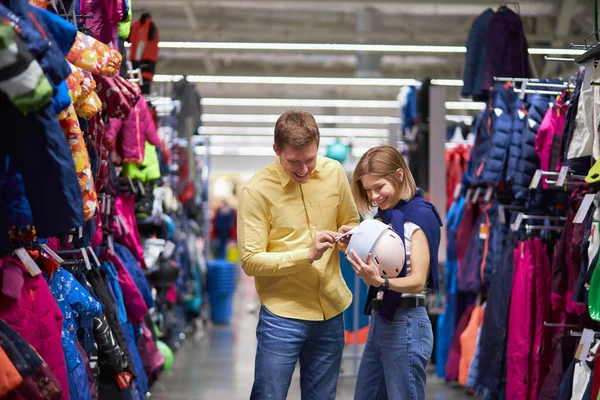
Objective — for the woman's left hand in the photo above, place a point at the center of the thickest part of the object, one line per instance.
(368, 271)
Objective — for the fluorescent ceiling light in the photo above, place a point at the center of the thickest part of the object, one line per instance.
(460, 118)
(334, 103)
(339, 47)
(238, 102)
(237, 141)
(296, 80)
(268, 131)
(321, 119)
(262, 151)
(465, 105)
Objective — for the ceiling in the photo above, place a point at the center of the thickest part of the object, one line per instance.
(548, 24)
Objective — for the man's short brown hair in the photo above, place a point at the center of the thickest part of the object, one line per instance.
(297, 129)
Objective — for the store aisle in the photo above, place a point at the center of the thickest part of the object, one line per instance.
(220, 365)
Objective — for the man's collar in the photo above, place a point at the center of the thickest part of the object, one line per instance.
(284, 178)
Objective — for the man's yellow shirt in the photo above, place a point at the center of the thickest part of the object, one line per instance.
(277, 221)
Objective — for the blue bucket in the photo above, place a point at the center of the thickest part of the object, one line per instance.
(221, 308)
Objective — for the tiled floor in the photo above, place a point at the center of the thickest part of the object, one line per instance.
(219, 364)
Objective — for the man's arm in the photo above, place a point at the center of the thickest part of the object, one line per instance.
(347, 214)
(253, 237)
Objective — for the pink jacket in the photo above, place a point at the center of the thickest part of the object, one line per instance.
(28, 307)
(132, 132)
(134, 302)
(125, 227)
(548, 141)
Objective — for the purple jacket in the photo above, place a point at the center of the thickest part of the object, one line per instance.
(28, 307)
(566, 263)
(506, 49)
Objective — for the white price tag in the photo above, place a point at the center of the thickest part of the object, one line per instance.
(588, 75)
(562, 175)
(476, 195)
(583, 349)
(537, 177)
(94, 255)
(501, 214)
(588, 199)
(457, 190)
(468, 195)
(111, 244)
(488, 194)
(80, 232)
(52, 253)
(88, 266)
(108, 203)
(26, 259)
(523, 88)
(518, 221)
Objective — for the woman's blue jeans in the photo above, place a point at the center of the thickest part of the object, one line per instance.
(395, 357)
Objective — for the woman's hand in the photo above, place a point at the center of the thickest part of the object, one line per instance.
(368, 271)
(343, 242)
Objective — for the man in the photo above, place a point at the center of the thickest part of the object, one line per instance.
(288, 216)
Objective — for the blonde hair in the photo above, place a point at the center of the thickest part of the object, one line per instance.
(297, 129)
(383, 162)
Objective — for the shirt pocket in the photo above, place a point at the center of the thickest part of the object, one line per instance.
(328, 211)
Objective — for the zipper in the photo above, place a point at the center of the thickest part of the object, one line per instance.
(37, 25)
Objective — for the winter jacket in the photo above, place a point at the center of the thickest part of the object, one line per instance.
(144, 49)
(126, 230)
(566, 263)
(136, 274)
(481, 147)
(74, 301)
(28, 307)
(70, 125)
(132, 133)
(476, 53)
(519, 118)
(114, 102)
(572, 112)
(549, 138)
(93, 56)
(22, 79)
(506, 49)
(39, 382)
(529, 160)
(111, 355)
(581, 147)
(468, 344)
(134, 302)
(10, 378)
(500, 108)
(30, 25)
(148, 170)
(106, 15)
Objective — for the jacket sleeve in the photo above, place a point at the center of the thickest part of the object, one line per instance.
(108, 345)
(79, 298)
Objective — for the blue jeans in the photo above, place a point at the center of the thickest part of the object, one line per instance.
(395, 357)
(282, 341)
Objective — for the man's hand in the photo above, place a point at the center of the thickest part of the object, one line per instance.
(343, 242)
(324, 241)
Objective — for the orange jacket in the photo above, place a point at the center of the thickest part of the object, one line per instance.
(10, 379)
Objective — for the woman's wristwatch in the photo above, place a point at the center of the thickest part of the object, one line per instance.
(386, 283)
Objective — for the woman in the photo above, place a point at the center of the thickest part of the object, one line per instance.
(400, 338)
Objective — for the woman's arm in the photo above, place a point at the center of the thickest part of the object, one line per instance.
(419, 262)
(419, 267)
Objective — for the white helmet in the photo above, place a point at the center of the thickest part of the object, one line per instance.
(385, 245)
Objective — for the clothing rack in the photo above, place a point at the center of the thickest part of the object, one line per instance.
(554, 325)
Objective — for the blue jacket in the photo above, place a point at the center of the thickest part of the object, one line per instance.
(519, 118)
(39, 39)
(475, 56)
(502, 102)
(138, 276)
(480, 149)
(74, 301)
(529, 160)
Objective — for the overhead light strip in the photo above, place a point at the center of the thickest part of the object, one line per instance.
(321, 119)
(339, 47)
(333, 103)
(268, 131)
(296, 80)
